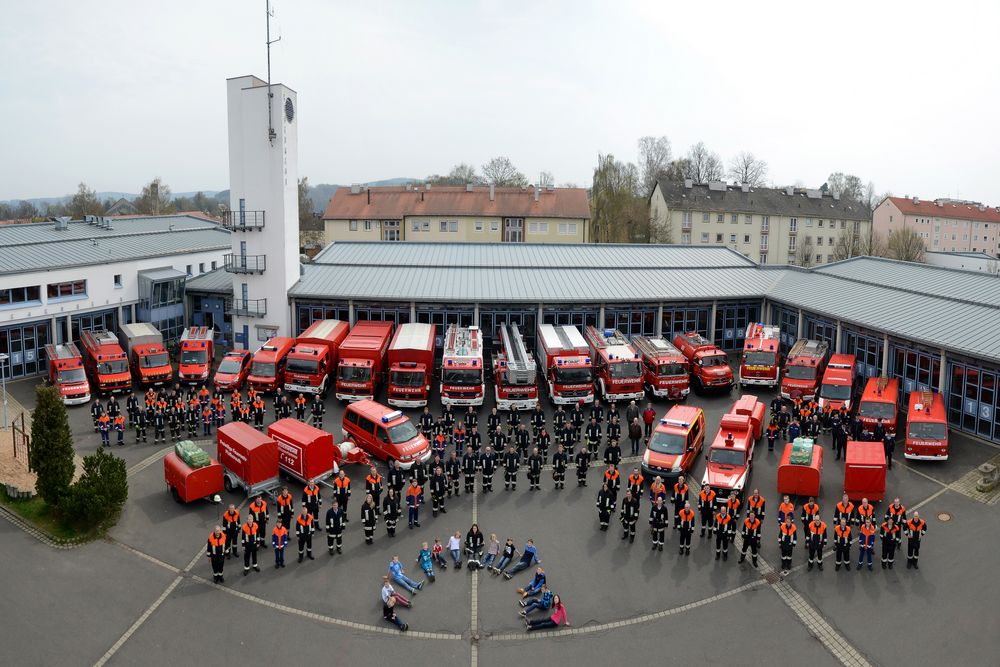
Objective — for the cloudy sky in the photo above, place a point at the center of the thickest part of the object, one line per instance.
(115, 92)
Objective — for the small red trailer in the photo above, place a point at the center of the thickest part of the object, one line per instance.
(800, 479)
(188, 484)
(249, 458)
(864, 471)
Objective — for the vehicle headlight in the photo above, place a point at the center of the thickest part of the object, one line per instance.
(645, 458)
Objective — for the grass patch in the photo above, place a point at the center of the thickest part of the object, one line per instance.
(38, 513)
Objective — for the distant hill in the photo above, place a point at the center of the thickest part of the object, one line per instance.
(114, 196)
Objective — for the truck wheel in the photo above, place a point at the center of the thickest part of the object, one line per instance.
(228, 483)
(176, 496)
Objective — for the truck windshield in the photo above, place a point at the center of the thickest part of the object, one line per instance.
(229, 366)
(461, 376)
(625, 369)
(667, 443)
(72, 375)
(402, 432)
(194, 356)
(756, 358)
(670, 370)
(109, 367)
(262, 369)
(715, 360)
(835, 392)
(154, 360)
(877, 410)
(800, 372)
(406, 378)
(309, 366)
(726, 456)
(354, 373)
(927, 431)
(572, 375)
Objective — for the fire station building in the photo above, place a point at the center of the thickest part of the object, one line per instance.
(931, 327)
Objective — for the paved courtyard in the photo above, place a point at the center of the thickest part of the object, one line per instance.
(144, 595)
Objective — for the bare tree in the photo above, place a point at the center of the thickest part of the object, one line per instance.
(853, 243)
(155, 198)
(502, 172)
(84, 202)
(678, 169)
(849, 186)
(546, 179)
(804, 253)
(460, 174)
(654, 160)
(745, 168)
(906, 245)
(703, 165)
(618, 214)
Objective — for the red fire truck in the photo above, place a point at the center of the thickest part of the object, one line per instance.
(709, 365)
(462, 380)
(197, 352)
(760, 362)
(67, 373)
(879, 402)
(363, 360)
(617, 365)
(267, 370)
(666, 371)
(148, 358)
(840, 380)
(411, 364)
(926, 428)
(730, 457)
(105, 361)
(565, 359)
(514, 377)
(314, 356)
(804, 367)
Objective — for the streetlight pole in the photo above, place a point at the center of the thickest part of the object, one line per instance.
(3, 382)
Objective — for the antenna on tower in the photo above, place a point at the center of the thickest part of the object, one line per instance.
(270, 121)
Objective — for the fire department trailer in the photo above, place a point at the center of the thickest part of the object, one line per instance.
(800, 480)
(249, 459)
(187, 484)
(309, 454)
(864, 471)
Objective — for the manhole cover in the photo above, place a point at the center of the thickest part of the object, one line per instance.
(944, 516)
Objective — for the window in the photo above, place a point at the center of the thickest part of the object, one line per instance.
(686, 238)
(425, 226)
(819, 240)
(215, 265)
(118, 279)
(687, 217)
(453, 226)
(513, 230)
(201, 267)
(353, 225)
(718, 238)
(819, 259)
(494, 225)
(188, 270)
(721, 217)
(541, 228)
(829, 240)
(793, 225)
(732, 238)
(748, 219)
(843, 224)
(820, 223)
(763, 243)
(390, 230)
(808, 239)
(829, 258)
(479, 225)
(765, 223)
(704, 217)
(443, 226)
(704, 237)
(791, 244)
(415, 226)
(567, 228)
(734, 218)
(746, 238)
(763, 258)
(809, 222)
(857, 227)
(18, 295)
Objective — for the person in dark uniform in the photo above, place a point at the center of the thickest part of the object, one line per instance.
(786, 542)
(559, 462)
(492, 423)
(96, 410)
(453, 471)
(888, 446)
(658, 520)
(470, 463)
(439, 487)
(369, 518)
(613, 453)
(217, 553)
(141, 424)
(159, 427)
(513, 420)
(534, 464)
(131, 408)
(474, 439)
(396, 478)
(285, 501)
(593, 434)
(842, 543)
(335, 527)
(679, 496)
(629, 516)
(816, 536)
(686, 529)
(784, 420)
(318, 409)
(471, 418)
(304, 533)
(576, 418)
(559, 418)
(537, 421)
(511, 462)
(706, 507)
(724, 531)
(890, 540)
(488, 464)
(250, 540)
(231, 526)
(751, 537)
(582, 464)
(427, 424)
(391, 511)
(312, 499)
(614, 432)
(543, 441)
(605, 506)
(916, 528)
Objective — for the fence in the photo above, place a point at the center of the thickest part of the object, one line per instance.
(22, 440)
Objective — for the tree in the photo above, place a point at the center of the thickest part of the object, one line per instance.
(546, 179)
(745, 168)
(500, 171)
(804, 253)
(51, 454)
(703, 165)
(460, 174)
(849, 186)
(100, 492)
(20, 210)
(305, 203)
(654, 161)
(84, 202)
(853, 243)
(618, 215)
(905, 245)
(678, 169)
(155, 198)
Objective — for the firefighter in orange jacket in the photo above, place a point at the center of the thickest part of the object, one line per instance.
(816, 537)
(786, 542)
(231, 523)
(706, 507)
(304, 532)
(686, 529)
(373, 487)
(679, 498)
(635, 481)
(842, 543)
(104, 426)
(786, 508)
(119, 425)
(279, 540)
(751, 537)
(414, 499)
(866, 543)
(285, 502)
(217, 553)
(755, 504)
(251, 539)
(342, 489)
(312, 499)
(300, 408)
(864, 511)
(723, 533)
(809, 510)
(915, 530)
(258, 508)
(890, 540)
(844, 510)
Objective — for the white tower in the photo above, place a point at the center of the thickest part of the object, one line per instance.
(264, 207)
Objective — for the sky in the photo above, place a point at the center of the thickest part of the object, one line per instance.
(114, 93)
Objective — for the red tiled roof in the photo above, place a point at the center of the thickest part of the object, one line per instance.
(946, 210)
(395, 203)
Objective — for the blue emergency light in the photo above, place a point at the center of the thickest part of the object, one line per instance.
(608, 333)
(389, 416)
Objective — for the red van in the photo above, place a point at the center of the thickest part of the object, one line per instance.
(879, 401)
(926, 428)
(385, 433)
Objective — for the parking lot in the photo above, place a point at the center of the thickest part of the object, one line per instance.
(145, 594)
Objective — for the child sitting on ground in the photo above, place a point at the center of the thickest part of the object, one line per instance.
(426, 562)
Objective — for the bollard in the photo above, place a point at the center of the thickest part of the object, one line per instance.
(990, 477)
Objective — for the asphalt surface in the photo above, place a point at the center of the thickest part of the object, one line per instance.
(144, 595)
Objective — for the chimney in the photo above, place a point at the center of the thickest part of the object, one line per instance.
(355, 188)
(916, 200)
(493, 192)
(538, 191)
(369, 191)
(409, 186)
(688, 183)
(427, 186)
(982, 207)
(790, 190)
(62, 223)
(745, 187)
(468, 187)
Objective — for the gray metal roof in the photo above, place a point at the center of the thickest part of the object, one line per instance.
(45, 232)
(44, 255)
(763, 201)
(165, 273)
(937, 321)
(527, 255)
(216, 281)
(969, 286)
(519, 284)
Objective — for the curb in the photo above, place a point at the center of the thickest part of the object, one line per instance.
(39, 535)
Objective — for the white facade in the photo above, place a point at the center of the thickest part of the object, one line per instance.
(263, 177)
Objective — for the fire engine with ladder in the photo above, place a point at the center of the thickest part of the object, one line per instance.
(462, 381)
(618, 369)
(514, 372)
